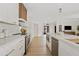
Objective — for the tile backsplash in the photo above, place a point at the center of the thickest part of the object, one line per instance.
(9, 28)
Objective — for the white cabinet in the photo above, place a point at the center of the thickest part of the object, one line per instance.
(14, 48)
(18, 49)
(21, 48)
(11, 53)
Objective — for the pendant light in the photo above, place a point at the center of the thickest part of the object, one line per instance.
(60, 10)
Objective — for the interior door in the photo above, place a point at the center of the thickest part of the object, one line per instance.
(35, 30)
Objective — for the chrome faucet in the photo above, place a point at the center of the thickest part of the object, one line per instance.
(4, 31)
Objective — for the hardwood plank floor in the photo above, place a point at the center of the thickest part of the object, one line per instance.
(38, 48)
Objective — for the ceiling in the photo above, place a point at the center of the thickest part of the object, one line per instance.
(44, 12)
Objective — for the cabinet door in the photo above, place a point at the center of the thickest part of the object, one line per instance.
(54, 47)
(18, 49)
(21, 48)
(12, 53)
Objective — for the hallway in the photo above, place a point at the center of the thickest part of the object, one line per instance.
(38, 48)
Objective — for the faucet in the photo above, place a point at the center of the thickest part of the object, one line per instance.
(4, 31)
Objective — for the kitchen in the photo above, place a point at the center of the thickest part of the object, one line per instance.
(56, 27)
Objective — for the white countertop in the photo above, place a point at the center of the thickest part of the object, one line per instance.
(64, 37)
(8, 39)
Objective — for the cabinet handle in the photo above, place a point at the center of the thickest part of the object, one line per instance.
(10, 52)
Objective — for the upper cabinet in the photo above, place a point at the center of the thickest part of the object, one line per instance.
(9, 12)
(22, 11)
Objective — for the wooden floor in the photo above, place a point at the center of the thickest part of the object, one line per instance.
(38, 48)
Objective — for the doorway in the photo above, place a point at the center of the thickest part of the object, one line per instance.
(35, 30)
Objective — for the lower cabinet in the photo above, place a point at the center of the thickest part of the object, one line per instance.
(11, 53)
(17, 50)
(54, 47)
(21, 48)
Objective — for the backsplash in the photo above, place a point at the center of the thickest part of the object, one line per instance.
(9, 28)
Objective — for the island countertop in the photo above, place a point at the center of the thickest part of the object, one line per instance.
(67, 38)
(67, 44)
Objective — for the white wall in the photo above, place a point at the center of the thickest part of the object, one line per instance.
(9, 12)
(30, 29)
(40, 29)
(52, 27)
(49, 13)
(74, 22)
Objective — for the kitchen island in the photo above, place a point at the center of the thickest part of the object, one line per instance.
(65, 45)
